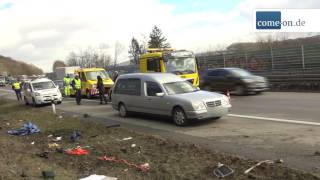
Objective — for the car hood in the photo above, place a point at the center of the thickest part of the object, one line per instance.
(47, 91)
(198, 96)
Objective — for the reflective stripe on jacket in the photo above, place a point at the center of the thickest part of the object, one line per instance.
(67, 81)
(16, 86)
(77, 83)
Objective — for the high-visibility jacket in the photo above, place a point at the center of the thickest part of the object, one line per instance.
(77, 83)
(16, 86)
(67, 81)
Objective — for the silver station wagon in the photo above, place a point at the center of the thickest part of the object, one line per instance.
(169, 95)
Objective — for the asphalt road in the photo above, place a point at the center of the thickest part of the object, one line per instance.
(269, 126)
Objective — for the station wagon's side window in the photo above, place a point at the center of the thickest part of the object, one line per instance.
(128, 87)
(153, 65)
(153, 88)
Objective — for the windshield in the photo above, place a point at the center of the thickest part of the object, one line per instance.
(179, 87)
(92, 75)
(240, 72)
(181, 65)
(43, 85)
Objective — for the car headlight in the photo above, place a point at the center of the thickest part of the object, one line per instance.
(37, 94)
(248, 80)
(198, 106)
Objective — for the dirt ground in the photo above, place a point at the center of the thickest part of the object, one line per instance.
(19, 158)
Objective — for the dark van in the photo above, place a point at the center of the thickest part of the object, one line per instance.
(237, 81)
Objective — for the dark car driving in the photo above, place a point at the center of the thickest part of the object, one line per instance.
(237, 81)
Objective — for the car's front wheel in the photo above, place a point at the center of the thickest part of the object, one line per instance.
(240, 90)
(122, 110)
(34, 103)
(179, 117)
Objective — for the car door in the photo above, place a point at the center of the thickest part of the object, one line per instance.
(226, 80)
(128, 91)
(28, 92)
(213, 80)
(152, 103)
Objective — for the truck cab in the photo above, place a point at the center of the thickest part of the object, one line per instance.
(180, 62)
(88, 78)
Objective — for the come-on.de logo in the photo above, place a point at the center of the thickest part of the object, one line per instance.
(268, 20)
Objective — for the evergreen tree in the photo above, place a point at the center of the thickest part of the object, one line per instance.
(157, 40)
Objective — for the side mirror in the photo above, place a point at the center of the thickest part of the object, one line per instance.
(159, 94)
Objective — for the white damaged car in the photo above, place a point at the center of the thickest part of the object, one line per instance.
(41, 91)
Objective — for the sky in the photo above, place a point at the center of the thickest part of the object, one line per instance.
(42, 31)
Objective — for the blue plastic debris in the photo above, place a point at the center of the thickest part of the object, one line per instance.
(75, 136)
(27, 129)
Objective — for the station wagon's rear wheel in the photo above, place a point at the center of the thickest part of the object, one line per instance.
(240, 90)
(179, 117)
(122, 110)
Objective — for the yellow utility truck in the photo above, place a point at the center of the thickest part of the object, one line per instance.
(88, 78)
(180, 62)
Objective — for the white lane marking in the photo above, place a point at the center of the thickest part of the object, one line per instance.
(74, 99)
(275, 119)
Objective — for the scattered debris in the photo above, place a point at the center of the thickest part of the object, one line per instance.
(222, 170)
(98, 177)
(143, 167)
(279, 161)
(20, 120)
(60, 117)
(48, 174)
(86, 115)
(50, 135)
(77, 151)
(26, 129)
(60, 150)
(23, 174)
(53, 145)
(93, 136)
(258, 164)
(114, 125)
(125, 139)
(75, 136)
(317, 153)
(59, 138)
(124, 150)
(133, 145)
(32, 143)
(8, 124)
(43, 155)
